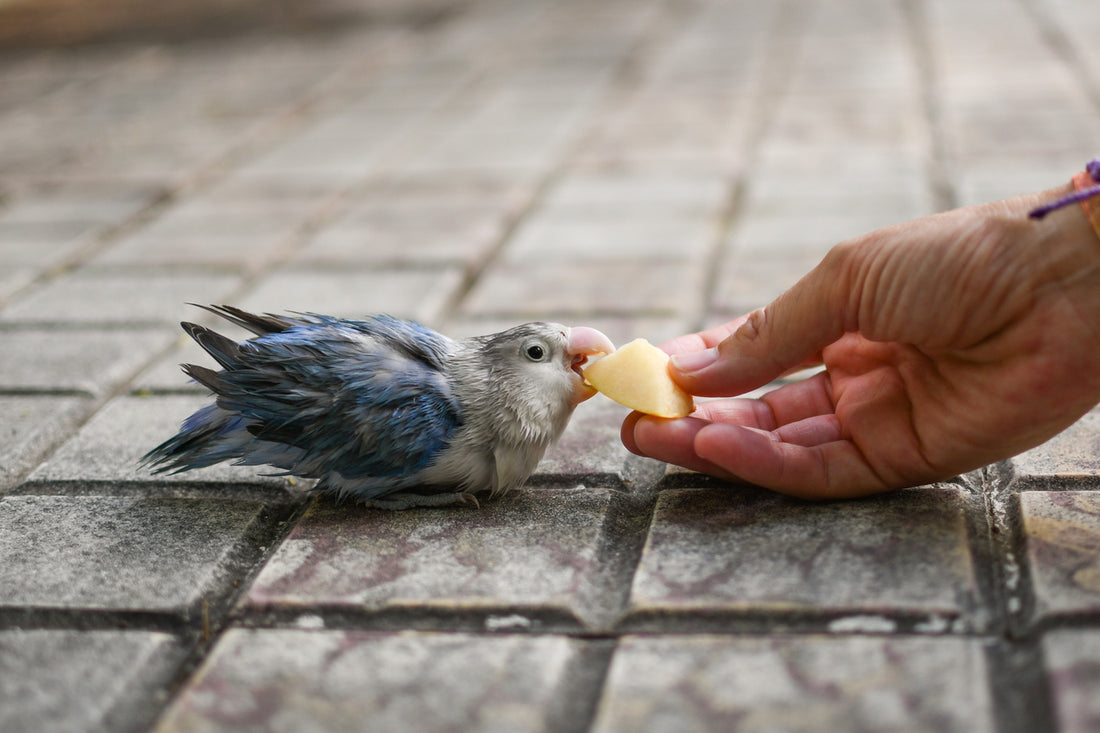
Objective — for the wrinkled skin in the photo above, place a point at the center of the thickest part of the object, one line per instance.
(948, 343)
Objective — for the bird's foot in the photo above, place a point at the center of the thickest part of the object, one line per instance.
(405, 500)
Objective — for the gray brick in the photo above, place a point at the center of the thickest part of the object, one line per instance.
(1062, 536)
(243, 232)
(811, 683)
(417, 294)
(618, 193)
(1072, 454)
(345, 680)
(561, 290)
(89, 360)
(53, 680)
(1072, 658)
(590, 449)
(131, 297)
(29, 426)
(115, 553)
(525, 558)
(412, 238)
(639, 237)
(737, 551)
(109, 447)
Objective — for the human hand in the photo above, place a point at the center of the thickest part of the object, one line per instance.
(949, 342)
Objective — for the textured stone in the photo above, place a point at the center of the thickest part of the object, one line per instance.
(296, 680)
(110, 446)
(529, 555)
(233, 232)
(29, 426)
(736, 550)
(119, 297)
(586, 289)
(1072, 659)
(82, 680)
(1072, 454)
(643, 236)
(683, 684)
(88, 360)
(1062, 536)
(590, 448)
(121, 553)
(417, 294)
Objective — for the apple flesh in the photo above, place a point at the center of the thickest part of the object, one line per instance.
(637, 376)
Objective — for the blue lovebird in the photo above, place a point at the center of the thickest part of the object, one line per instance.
(383, 410)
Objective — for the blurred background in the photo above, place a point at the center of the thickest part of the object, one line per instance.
(649, 165)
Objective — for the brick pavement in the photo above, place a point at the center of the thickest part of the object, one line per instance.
(643, 166)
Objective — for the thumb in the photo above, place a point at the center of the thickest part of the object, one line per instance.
(775, 339)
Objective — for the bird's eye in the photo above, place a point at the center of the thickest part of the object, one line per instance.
(535, 351)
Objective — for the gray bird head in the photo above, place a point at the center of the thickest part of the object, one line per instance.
(534, 376)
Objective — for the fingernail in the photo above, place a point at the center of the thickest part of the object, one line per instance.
(694, 361)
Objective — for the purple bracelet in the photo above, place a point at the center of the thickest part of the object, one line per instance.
(1093, 169)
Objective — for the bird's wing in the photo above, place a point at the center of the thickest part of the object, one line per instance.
(365, 399)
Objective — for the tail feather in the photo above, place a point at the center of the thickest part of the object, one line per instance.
(225, 351)
(209, 436)
(257, 324)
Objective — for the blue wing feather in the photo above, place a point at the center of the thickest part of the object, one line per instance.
(367, 400)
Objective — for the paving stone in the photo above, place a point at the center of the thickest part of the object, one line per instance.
(44, 360)
(29, 426)
(746, 282)
(589, 449)
(527, 558)
(419, 294)
(739, 550)
(620, 329)
(652, 237)
(619, 193)
(113, 297)
(285, 679)
(108, 449)
(119, 553)
(411, 237)
(53, 680)
(808, 683)
(573, 290)
(1072, 660)
(1062, 536)
(1073, 454)
(243, 232)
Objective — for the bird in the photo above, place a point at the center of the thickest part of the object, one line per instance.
(382, 410)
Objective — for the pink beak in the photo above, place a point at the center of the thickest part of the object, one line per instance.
(581, 343)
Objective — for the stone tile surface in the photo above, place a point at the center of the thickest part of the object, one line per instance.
(43, 360)
(109, 448)
(116, 553)
(1073, 454)
(1062, 535)
(57, 679)
(807, 683)
(528, 559)
(1072, 667)
(738, 551)
(30, 426)
(286, 679)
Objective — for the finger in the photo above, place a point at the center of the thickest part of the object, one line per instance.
(770, 341)
(671, 441)
(703, 339)
(823, 471)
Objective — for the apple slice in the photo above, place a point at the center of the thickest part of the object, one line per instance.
(637, 376)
